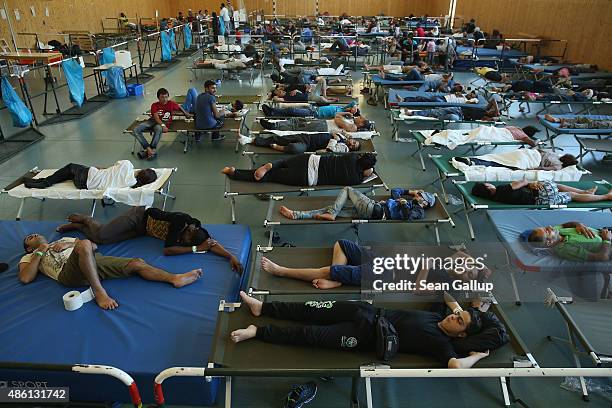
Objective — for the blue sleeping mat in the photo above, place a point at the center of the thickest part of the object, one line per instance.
(395, 93)
(490, 52)
(585, 279)
(155, 327)
(378, 80)
(556, 127)
(583, 75)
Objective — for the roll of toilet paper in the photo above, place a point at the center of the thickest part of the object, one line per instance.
(74, 299)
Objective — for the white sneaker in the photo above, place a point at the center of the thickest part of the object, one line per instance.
(244, 140)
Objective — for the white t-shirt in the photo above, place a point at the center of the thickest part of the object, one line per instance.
(433, 77)
(225, 14)
(119, 175)
(52, 262)
(337, 147)
(313, 169)
(333, 128)
(452, 98)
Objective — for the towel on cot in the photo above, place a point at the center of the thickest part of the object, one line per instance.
(452, 138)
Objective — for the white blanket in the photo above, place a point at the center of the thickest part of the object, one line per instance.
(415, 117)
(523, 159)
(484, 173)
(356, 135)
(452, 138)
(141, 196)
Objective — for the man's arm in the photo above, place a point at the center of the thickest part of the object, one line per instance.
(518, 184)
(451, 303)
(467, 362)
(29, 270)
(603, 255)
(187, 114)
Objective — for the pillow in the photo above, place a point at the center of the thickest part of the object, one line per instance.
(492, 336)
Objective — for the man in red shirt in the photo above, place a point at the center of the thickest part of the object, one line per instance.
(420, 32)
(161, 118)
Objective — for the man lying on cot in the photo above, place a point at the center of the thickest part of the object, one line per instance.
(525, 85)
(468, 113)
(449, 137)
(524, 192)
(348, 261)
(74, 262)
(580, 122)
(227, 64)
(352, 326)
(419, 72)
(565, 96)
(311, 170)
(491, 74)
(342, 121)
(444, 84)
(522, 159)
(161, 118)
(317, 112)
(457, 97)
(181, 233)
(316, 94)
(574, 241)
(298, 144)
(119, 175)
(406, 205)
(298, 76)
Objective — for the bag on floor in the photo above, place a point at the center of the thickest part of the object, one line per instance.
(22, 117)
(74, 78)
(166, 48)
(116, 83)
(107, 57)
(172, 41)
(187, 34)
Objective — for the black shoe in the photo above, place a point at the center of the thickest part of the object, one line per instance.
(300, 395)
(217, 138)
(464, 160)
(3, 267)
(267, 110)
(36, 183)
(266, 124)
(142, 155)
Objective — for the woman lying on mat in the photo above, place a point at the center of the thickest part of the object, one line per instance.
(523, 159)
(74, 262)
(181, 233)
(490, 113)
(406, 205)
(574, 241)
(485, 133)
(298, 144)
(311, 170)
(347, 264)
(580, 122)
(317, 112)
(119, 175)
(537, 193)
(342, 121)
(352, 326)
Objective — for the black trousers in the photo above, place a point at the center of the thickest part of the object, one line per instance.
(292, 172)
(294, 144)
(335, 325)
(75, 172)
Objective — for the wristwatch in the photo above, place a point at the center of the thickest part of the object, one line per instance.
(39, 253)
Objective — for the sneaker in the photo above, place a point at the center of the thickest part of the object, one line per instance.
(267, 110)
(300, 395)
(142, 155)
(244, 140)
(266, 124)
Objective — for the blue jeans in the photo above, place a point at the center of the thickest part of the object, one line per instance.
(149, 125)
(349, 203)
(451, 113)
(294, 112)
(487, 163)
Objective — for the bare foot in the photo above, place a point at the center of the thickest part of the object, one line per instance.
(77, 218)
(325, 217)
(186, 278)
(243, 334)
(286, 212)
(325, 284)
(551, 118)
(104, 301)
(270, 267)
(261, 172)
(228, 170)
(67, 227)
(277, 147)
(253, 304)
(399, 98)
(591, 190)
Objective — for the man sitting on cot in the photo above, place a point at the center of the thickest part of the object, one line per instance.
(161, 119)
(574, 241)
(74, 262)
(483, 134)
(522, 159)
(181, 233)
(342, 121)
(311, 170)
(580, 122)
(317, 112)
(348, 261)
(458, 97)
(316, 94)
(406, 205)
(119, 175)
(208, 115)
(456, 113)
(298, 144)
(351, 326)
(547, 193)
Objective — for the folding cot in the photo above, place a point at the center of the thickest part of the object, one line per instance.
(470, 57)
(556, 129)
(381, 84)
(394, 94)
(234, 188)
(435, 216)
(472, 203)
(251, 69)
(182, 125)
(341, 100)
(141, 196)
(155, 326)
(586, 280)
(524, 105)
(228, 99)
(589, 145)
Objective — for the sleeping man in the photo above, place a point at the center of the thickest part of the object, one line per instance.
(456, 97)
(298, 144)
(74, 262)
(350, 326)
(181, 233)
(575, 241)
(523, 159)
(342, 121)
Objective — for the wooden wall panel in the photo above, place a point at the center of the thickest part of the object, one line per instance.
(296, 8)
(585, 24)
(72, 15)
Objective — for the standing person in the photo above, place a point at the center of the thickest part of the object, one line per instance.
(216, 26)
(431, 51)
(225, 17)
(207, 115)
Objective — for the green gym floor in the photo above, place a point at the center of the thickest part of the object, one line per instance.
(199, 187)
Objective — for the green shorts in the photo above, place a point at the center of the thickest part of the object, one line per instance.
(109, 267)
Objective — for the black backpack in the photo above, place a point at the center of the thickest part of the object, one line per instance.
(387, 341)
